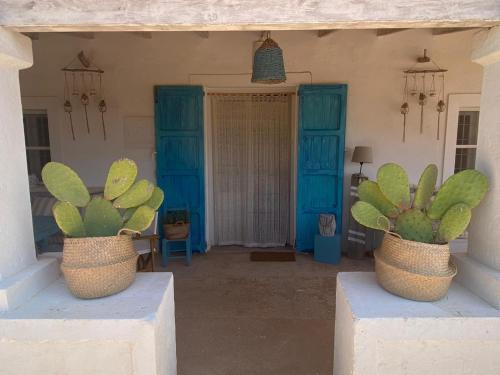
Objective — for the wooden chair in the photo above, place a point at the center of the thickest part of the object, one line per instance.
(146, 245)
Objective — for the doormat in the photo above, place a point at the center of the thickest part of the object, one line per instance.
(272, 256)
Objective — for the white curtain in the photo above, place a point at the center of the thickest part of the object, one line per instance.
(251, 168)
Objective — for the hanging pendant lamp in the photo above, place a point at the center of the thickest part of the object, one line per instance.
(268, 66)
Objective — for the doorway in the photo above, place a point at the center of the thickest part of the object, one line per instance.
(251, 138)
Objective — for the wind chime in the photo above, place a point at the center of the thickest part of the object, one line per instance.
(424, 91)
(82, 77)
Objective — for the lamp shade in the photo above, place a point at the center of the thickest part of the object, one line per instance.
(268, 65)
(362, 154)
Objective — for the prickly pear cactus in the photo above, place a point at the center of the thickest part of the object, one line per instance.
(139, 193)
(467, 187)
(68, 219)
(156, 198)
(101, 218)
(414, 225)
(141, 219)
(454, 222)
(369, 192)
(128, 213)
(426, 186)
(367, 215)
(393, 182)
(64, 184)
(121, 176)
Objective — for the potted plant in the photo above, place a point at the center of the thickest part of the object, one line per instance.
(176, 225)
(414, 258)
(99, 258)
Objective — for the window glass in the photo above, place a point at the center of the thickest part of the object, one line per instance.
(36, 135)
(467, 127)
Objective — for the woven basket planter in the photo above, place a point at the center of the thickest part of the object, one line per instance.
(96, 267)
(414, 270)
(176, 231)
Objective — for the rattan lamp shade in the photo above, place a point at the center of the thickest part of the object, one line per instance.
(268, 66)
(362, 154)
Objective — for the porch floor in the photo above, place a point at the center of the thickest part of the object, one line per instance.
(234, 316)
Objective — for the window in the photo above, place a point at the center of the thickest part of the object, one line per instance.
(465, 154)
(36, 135)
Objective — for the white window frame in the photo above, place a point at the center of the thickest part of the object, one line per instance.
(456, 103)
(54, 111)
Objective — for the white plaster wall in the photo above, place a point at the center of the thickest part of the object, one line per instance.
(371, 66)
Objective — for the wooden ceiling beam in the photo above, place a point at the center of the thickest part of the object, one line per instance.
(384, 32)
(323, 33)
(450, 30)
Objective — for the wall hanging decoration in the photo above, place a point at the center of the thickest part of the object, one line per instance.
(83, 77)
(268, 65)
(427, 72)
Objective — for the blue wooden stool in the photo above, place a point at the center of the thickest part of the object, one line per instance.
(327, 249)
(167, 250)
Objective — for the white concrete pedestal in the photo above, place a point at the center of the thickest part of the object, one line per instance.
(132, 332)
(379, 333)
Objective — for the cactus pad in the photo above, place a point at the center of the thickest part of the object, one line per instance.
(414, 225)
(467, 187)
(426, 186)
(101, 218)
(367, 215)
(156, 198)
(68, 219)
(393, 182)
(64, 184)
(138, 194)
(454, 222)
(141, 219)
(121, 176)
(370, 192)
(128, 213)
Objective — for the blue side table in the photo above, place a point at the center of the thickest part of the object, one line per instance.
(327, 249)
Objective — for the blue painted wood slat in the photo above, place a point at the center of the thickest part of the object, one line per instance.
(180, 155)
(320, 172)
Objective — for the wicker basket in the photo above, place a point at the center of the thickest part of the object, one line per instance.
(176, 231)
(410, 285)
(96, 267)
(414, 256)
(414, 270)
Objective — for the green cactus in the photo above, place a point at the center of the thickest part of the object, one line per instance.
(140, 220)
(64, 184)
(369, 216)
(454, 222)
(369, 192)
(121, 176)
(426, 186)
(452, 205)
(139, 193)
(156, 199)
(128, 213)
(101, 218)
(393, 182)
(68, 218)
(467, 187)
(414, 225)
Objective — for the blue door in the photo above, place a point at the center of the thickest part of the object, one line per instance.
(180, 156)
(320, 172)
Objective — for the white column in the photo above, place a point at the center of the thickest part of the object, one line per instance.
(479, 269)
(20, 273)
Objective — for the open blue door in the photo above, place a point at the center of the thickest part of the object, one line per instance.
(320, 171)
(180, 156)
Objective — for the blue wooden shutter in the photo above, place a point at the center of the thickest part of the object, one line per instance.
(322, 111)
(180, 156)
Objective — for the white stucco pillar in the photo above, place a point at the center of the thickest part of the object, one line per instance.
(479, 270)
(20, 271)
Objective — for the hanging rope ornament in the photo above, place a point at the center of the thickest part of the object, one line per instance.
(268, 65)
(441, 106)
(423, 96)
(81, 69)
(68, 108)
(405, 108)
(102, 106)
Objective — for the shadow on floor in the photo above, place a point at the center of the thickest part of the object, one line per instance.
(234, 316)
